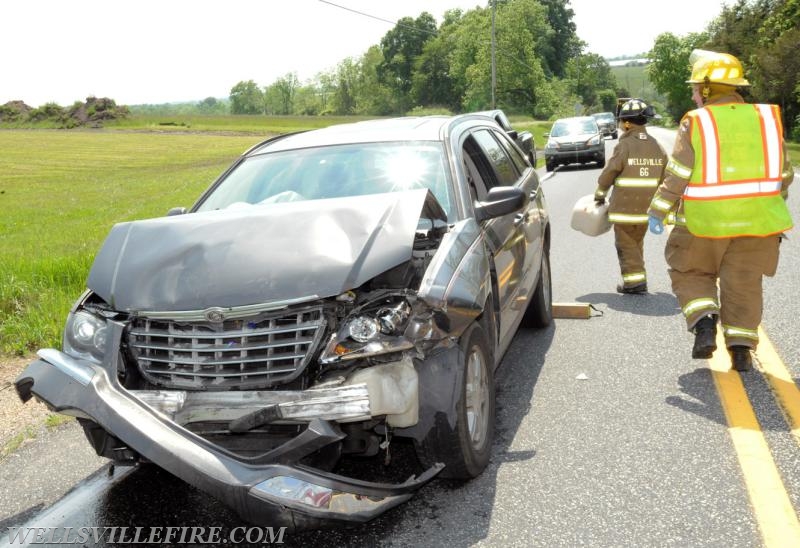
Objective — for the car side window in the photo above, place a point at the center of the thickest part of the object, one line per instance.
(513, 152)
(480, 174)
(477, 189)
(499, 160)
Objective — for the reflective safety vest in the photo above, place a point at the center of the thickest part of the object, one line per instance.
(735, 185)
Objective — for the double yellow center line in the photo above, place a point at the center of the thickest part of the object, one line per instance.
(773, 509)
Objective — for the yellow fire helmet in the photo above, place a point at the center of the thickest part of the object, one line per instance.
(710, 67)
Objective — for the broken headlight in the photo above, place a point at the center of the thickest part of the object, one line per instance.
(371, 331)
(85, 336)
(387, 320)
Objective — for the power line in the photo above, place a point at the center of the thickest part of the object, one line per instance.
(410, 27)
(396, 23)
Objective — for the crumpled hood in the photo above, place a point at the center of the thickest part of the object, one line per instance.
(257, 254)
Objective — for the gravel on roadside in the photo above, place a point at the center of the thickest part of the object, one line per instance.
(18, 420)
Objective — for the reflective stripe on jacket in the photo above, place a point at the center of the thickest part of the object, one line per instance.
(634, 171)
(735, 184)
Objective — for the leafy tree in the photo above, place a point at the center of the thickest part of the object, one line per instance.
(210, 105)
(468, 36)
(784, 16)
(588, 75)
(373, 96)
(763, 35)
(776, 75)
(520, 71)
(669, 69)
(344, 97)
(520, 78)
(279, 96)
(607, 100)
(556, 101)
(736, 29)
(325, 86)
(401, 47)
(431, 81)
(561, 43)
(247, 98)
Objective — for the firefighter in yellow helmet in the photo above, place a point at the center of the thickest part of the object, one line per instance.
(634, 172)
(725, 184)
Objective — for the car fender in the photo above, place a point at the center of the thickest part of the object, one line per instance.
(457, 282)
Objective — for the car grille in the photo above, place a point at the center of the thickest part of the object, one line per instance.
(573, 146)
(247, 353)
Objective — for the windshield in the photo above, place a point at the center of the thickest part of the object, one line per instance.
(574, 127)
(335, 172)
(604, 117)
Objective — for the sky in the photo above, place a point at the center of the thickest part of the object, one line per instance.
(158, 51)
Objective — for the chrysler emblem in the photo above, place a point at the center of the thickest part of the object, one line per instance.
(216, 315)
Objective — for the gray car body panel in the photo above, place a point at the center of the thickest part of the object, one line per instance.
(233, 258)
(458, 280)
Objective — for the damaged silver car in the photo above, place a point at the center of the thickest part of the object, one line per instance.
(332, 291)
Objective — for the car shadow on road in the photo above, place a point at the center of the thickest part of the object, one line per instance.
(647, 304)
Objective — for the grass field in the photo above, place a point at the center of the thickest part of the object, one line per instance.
(233, 124)
(61, 192)
(635, 80)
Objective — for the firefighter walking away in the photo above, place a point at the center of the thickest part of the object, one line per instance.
(726, 183)
(634, 171)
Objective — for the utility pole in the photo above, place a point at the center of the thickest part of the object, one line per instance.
(494, 70)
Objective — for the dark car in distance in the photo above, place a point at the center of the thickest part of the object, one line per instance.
(574, 140)
(607, 123)
(332, 291)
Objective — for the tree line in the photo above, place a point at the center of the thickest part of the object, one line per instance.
(542, 67)
(763, 34)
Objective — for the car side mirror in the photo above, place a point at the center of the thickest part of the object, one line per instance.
(176, 211)
(512, 133)
(501, 200)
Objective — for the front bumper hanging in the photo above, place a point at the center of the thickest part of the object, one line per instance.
(271, 488)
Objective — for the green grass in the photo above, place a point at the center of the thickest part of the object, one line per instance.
(232, 124)
(794, 153)
(16, 442)
(635, 80)
(60, 193)
(54, 420)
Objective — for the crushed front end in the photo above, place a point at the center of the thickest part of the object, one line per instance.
(255, 403)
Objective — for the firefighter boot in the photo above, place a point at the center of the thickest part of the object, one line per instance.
(741, 360)
(705, 338)
(637, 289)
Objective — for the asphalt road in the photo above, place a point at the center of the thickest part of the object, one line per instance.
(608, 433)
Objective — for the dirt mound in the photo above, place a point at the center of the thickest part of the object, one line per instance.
(14, 111)
(92, 112)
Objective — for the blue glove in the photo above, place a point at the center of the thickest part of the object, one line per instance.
(655, 224)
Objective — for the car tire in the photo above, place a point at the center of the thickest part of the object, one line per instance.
(549, 166)
(465, 448)
(601, 163)
(540, 309)
(615, 135)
